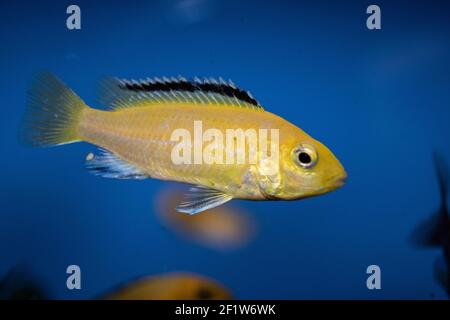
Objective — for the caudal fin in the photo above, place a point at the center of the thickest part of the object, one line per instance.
(53, 113)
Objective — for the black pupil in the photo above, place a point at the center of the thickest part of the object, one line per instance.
(305, 158)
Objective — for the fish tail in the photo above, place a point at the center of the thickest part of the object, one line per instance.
(53, 113)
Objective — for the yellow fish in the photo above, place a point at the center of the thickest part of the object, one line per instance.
(157, 128)
(171, 286)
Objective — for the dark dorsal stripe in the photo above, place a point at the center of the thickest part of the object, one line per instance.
(190, 86)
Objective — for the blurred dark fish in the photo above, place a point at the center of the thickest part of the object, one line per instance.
(222, 228)
(440, 272)
(171, 286)
(435, 231)
(17, 284)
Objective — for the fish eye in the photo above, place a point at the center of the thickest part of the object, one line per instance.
(305, 156)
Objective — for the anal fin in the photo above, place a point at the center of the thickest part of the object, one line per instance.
(108, 165)
(202, 198)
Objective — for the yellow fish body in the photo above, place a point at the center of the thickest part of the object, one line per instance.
(138, 139)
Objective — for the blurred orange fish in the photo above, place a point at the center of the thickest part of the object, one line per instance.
(171, 286)
(222, 227)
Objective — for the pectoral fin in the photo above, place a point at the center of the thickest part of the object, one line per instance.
(202, 198)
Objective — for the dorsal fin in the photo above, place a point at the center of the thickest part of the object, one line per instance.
(122, 93)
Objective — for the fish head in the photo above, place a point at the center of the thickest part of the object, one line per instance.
(307, 168)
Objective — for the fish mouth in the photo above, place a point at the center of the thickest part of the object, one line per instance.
(330, 185)
(338, 180)
(334, 183)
